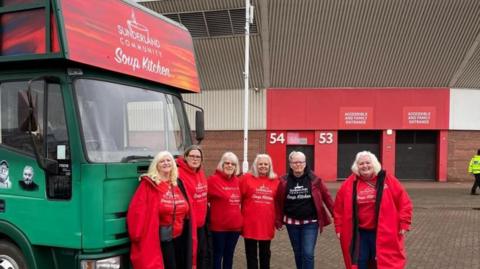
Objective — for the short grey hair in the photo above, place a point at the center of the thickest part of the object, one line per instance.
(254, 170)
(376, 164)
(229, 156)
(293, 153)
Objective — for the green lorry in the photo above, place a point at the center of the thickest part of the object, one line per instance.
(90, 91)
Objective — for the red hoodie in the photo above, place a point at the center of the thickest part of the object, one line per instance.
(196, 185)
(258, 206)
(224, 198)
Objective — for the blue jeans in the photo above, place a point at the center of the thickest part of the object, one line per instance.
(224, 244)
(303, 239)
(367, 248)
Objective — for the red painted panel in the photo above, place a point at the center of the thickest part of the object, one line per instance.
(388, 151)
(132, 41)
(326, 154)
(442, 159)
(318, 109)
(277, 149)
(22, 32)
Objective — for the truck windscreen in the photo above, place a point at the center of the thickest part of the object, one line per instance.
(121, 123)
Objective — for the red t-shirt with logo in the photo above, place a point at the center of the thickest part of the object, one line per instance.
(366, 195)
(258, 206)
(224, 198)
(168, 200)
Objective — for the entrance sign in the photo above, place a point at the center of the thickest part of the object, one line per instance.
(356, 118)
(419, 117)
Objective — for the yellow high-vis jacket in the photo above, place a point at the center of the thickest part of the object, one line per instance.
(474, 167)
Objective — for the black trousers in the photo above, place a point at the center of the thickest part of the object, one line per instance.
(255, 249)
(173, 253)
(476, 183)
(204, 249)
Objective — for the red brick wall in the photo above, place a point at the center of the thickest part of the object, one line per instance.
(462, 145)
(217, 142)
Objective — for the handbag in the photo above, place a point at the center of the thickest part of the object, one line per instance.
(166, 232)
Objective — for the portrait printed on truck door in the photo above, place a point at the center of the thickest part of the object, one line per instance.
(4, 178)
(27, 182)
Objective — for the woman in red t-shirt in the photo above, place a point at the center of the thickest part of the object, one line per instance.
(159, 219)
(225, 215)
(258, 189)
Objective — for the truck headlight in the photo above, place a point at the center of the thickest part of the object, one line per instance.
(109, 263)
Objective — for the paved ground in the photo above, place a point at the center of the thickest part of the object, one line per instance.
(445, 232)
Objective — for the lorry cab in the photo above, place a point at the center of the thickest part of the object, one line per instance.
(86, 102)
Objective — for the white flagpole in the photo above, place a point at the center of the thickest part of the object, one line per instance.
(248, 20)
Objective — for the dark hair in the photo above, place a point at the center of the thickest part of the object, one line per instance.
(478, 152)
(193, 147)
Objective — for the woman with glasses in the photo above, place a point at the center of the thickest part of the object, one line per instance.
(301, 201)
(192, 175)
(225, 215)
(259, 188)
(159, 219)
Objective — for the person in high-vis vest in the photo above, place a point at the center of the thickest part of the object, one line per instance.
(474, 168)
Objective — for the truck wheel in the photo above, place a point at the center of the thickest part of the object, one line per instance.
(10, 256)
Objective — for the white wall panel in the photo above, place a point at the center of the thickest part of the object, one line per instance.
(224, 109)
(465, 109)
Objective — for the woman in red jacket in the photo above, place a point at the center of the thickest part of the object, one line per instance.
(372, 214)
(259, 189)
(225, 215)
(159, 219)
(192, 175)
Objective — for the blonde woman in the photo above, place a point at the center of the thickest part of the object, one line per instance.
(226, 217)
(161, 204)
(372, 214)
(259, 188)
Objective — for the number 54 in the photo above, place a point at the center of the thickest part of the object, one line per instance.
(275, 138)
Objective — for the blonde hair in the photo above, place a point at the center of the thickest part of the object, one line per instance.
(375, 163)
(254, 169)
(230, 156)
(153, 171)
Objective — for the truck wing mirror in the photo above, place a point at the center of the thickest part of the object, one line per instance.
(199, 122)
(27, 108)
(199, 126)
(29, 122)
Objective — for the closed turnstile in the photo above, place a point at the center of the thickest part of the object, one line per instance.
(352, 142)
(416, 155)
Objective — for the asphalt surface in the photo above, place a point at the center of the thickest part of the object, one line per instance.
(445, 232)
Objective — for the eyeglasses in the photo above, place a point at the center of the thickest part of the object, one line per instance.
(229, 163)
(297, 163)
(196, 157)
